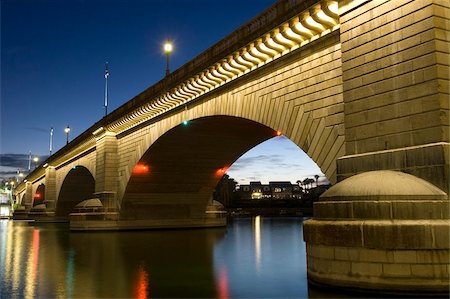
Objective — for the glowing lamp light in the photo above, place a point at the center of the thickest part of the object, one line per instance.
(37, 195)
(278, 133)
(168, 47)
(221, 171)
(185, 122)
(141, 169)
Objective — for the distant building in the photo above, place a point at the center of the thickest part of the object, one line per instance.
(273, 190)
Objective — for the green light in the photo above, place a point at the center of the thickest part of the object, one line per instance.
(185, 122)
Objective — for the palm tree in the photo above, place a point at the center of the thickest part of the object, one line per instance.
(308, 182)
(317, 179)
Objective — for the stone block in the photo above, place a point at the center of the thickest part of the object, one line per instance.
(396, 270)
(323, 252)
(405, 256)
(375, 255)
(437, 271)
(332, 210)
(441, 235)
(371, 210)
(419, 209)
(397, 235)
(433, 256)
(332, 233)
(341, 253)
(366, 269)
(340, 267)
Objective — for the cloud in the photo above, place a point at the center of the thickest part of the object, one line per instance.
(246, 162)
(11, 163)
(17, 161)
(37, 129)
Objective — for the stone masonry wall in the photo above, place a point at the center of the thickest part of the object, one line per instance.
(395, 58)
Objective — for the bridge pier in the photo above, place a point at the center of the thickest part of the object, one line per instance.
(380, 229)
(21, 213)
(50, 189)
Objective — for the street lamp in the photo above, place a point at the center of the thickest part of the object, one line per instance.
(67, 130)
(168, 48)
(35, 160)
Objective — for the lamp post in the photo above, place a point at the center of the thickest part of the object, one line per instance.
(67, 130)
(51, 140)
(168, 47)
(35, 160)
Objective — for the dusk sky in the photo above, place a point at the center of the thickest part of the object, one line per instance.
(52, 70)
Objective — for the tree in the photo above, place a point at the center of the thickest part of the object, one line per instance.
(307, 182)
(317, 179)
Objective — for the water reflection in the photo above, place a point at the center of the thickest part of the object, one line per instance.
(222, 291)
(264, 258)
(69, 275)
(142, 289)
(258, 243)
(32, 267)
(251, 258)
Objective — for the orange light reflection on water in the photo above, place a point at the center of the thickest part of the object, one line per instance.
(142, 288)
(223, 290)
(32, 268)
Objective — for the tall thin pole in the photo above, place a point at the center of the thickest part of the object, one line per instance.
(67, 130)
(29, 161)
(51, 140)
(168, 47)
(167, 63)
(106, 89)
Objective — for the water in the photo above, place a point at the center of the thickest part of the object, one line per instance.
(251, 258)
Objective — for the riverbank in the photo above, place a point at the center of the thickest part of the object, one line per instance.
(272, 212)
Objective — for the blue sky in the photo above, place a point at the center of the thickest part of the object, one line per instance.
(52, 68)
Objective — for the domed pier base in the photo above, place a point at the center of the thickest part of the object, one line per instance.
(383, 231)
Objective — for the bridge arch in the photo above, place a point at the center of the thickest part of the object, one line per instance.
(78, 185)
(303, 99)
(39, 195)
(176, 175)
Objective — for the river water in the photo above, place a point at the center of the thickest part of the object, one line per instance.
(251, 258)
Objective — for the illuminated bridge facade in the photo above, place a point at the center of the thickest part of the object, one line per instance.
(361, 86)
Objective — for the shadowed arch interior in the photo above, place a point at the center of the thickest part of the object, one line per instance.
(176, 176)
(78, 185)
(39, 196)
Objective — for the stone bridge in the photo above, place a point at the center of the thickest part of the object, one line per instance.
(361, 86)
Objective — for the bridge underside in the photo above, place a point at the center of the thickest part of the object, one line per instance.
(172, 184)
(177, 175)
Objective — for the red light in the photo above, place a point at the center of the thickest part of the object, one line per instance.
(141, 168)
(222, 170)
(278, 133)
(37, 195)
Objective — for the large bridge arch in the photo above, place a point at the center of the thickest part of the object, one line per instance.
(175, 177)
(301, 97)
(78, 185)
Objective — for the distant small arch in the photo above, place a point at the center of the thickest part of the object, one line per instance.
(39, 195)
(78, 185)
